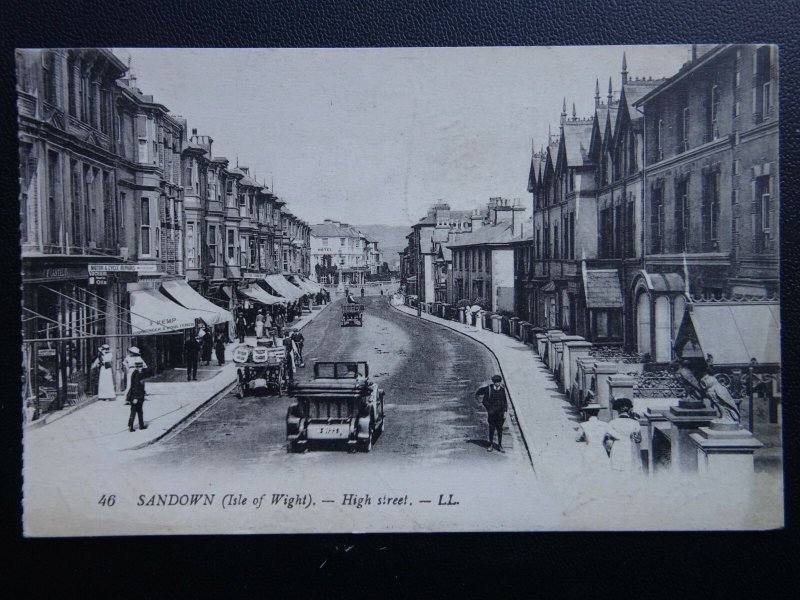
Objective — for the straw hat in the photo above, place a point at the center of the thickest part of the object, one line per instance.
(134, 350)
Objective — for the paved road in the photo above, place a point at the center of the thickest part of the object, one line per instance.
(429, 373)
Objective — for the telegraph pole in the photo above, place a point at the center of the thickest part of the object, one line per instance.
(419, 272)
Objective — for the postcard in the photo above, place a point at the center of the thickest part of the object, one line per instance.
(400, 289)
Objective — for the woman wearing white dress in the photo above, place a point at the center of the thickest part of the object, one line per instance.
(105, 382)
(624, 434)
(592, 433)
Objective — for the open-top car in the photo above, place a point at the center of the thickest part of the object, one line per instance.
(352, 313)
(339, 404)
(260, 369)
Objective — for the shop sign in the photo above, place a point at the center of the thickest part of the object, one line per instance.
(98, 280)
(52, 273)
(47, 352)
(147, 269)
(252, 275)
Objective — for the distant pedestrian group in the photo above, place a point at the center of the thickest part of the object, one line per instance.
(614, 445)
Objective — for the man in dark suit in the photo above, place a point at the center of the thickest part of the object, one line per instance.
(495, 401)
(136, 394)
(191, 349)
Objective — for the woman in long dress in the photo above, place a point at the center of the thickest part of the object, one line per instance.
(593, 433)
(105, 365)
(259, 325)
(625, 435)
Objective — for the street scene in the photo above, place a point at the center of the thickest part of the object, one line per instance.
(551, 306)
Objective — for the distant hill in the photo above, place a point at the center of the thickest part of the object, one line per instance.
(391, 238)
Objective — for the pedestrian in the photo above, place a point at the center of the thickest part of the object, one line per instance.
(381, 291)
(191, 349)
(298, 339)
(241, 326)
(206, 346)
(128, 366)
(219, 348)
(495, 401)
(288, 346)
(267, 322)
(260, 325)
(592, 433)
(362, 292)
(623, 437)
(136, 396)
(104, 363)
(279, 323)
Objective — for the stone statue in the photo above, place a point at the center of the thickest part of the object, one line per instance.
(721, 400)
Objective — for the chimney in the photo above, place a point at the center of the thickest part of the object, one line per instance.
(477, 221)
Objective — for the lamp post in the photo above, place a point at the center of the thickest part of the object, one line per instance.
(419, 273)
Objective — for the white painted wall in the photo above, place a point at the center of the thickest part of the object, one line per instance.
(502, 276)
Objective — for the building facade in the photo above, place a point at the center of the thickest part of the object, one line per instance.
(340, 253)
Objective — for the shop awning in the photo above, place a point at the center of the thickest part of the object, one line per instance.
(282, 286)
(257, 293)
(549, 288)
(183, 294)
(733, 333)
(601, 287)
(310, 285)
(151, 312)
(304, 287)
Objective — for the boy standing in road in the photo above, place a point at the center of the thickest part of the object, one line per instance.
(495, 402)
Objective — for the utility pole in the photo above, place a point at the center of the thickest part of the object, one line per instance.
(419, 272)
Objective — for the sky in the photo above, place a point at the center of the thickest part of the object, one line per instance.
(377, 135)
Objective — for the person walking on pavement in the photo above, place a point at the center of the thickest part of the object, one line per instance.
(592, 433)
(288, 346)
(260, 325)
(219, 348)
(104, 363)
(206, 345)
(298, 340)
(279, 323)
(136, 395)
(495, 401)
(362, 292)
(191, 349)
(241, 326)
(129, 365)
(624, 436)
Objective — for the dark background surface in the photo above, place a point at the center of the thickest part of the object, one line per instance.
(534, 565)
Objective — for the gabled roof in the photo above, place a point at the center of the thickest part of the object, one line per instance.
(602, 289)
(333, 230)
(576, 139)
(635, 89)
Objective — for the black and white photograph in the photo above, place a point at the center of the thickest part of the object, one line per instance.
(409, 289)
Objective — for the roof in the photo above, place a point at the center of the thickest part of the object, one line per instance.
(333, 230)
(577, 138)
(635, 89)
(735, 332)
(602, 289)
(683, 72)
(485, 235)
(440, 234)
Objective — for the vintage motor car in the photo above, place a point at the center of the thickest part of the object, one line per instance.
(339, 404)
(352, 313)
(260, 369)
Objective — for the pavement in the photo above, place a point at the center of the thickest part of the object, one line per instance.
(547, 421)
(170, 400)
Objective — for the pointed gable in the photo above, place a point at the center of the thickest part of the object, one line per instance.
(532, 175)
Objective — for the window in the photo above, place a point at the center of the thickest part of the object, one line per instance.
(231, 247)
(556, 253)
(684, 130)
(765, 99)
(324, 241)
(618, 238)
(105, 111)
(660, 140)
(762, 214)
(341, 240)
(657, 221)
(489, 261)
(713, 114)
(735, 167)
(710, 210)
(158, 242)
(630, 229)
(121, 209)
(606, 233)
(762, 83)
(53, 197)
(77, 203)
(145, 228)
(681, 215)
(212, 244)
(141, 133)
(480, 259)
(49, 75)
(189, 180)
(191, 249)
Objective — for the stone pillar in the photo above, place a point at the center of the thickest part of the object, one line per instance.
(725, 450)
(572, 351)
(553, 337)
(583, 367)
(686, 418)
(602, 371)
(655, 421)
(541, 344)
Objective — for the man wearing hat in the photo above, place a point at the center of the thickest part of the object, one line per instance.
(624, 434)
(105, 381)
(191, 349)
(128, 366)
(495, 402)
(136, 394)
